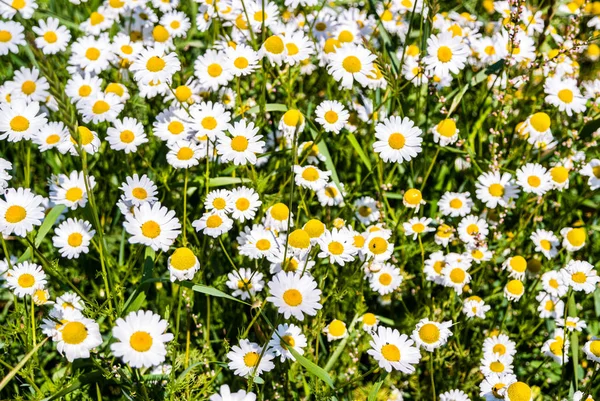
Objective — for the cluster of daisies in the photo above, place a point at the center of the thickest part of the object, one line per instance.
(129, 52)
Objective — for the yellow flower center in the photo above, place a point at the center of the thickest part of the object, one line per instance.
(335, 248)
(496, 190)
(214, 221)
(413, 197)
(385, 279)
(160, 34)
(331, 117)
(127, 136)
(74, 333)
(15, 214)
(396, 141)
(151, 229)
(540, 121)
(565, 95)
(457, 276)
(314, 228)
(293, 118)
(576, 236)
(19, 4)
(92, 54)
(241, 63)
(299, 239)
(595, 348)
(28, 87)
(280, 212)
(390, 352)
(85, 90)
(100, 107)
(519, 391)
(579, 277)
(292, 49)
(337, 328)
(75, 239)
(497, 367)
(183, 259)
(444, 54)
(214, 70)
(378, 245)
(545, 244)
(263, 244)
(274, 45)
(251, 359)
(242, 204)
(141, 341)
(26, 280)
(155, 64)
(534, 181)
(418, 227)
(499, 349)
(115, 88)
(74, 194)
(19, 124)
(292, 297)
(369, 319)
(515, 287)
(330, 45)
(310, 174)
(345, 36)
(518, 264)
(5, 36)
(352, 64)
(429, 333)
(447, 128)
(175, 127)
(286, 341)
(185, 153)
(559, 174)
(139, 193)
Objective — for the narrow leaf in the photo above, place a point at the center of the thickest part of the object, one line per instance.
(220, 181)
(268, 107)
(48, 223)
(23, 361)
(312, 367)
(204, 289)
(376, 387)
(359, 150)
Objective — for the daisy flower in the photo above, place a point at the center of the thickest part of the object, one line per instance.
(310, 177)
(564, 93)
(366, 210)
(71, 190)
(51, 136)
(331, 115)
(170, 127)
(29, 85)
(592, 171)
(386, 280)
(91, 54)
(245, 283)
(335, 330)
(518, 391)
(534, 178)
(444, 235)
(278, 217)
(20, 120)
(495, 189)
(472, 229)
(69, 301)
(573, 238)
(213, 223)
(249, 359)
(126, 135)
(516, 266)
(207, 119)
(417, 226)
(76, 337)
(184, 154)
(413, 199)
(273, 48)
(331, 195)
(434, 265)
(218, 200)
(225, 394)
(294, 295)
(445, 132)
(394, 351)
(11, 37)
(474, 306)
(377, 247)
(242, 60)
(454, 395)
(445, 54)
(152, 225)
(580, 275)
(24, 278)
(183, 264)
(244, 203)
(572, 323)
(244, 144)
(5, 168)
(80, 87)
(260, 243)
(72, 238)
(398, 140)
(139, 190)
(431, 335)
(553, 283)
(20, 211)
(501, 345)
(545, 242)
(212, 70)
(25, 8)
(592, 349)
(549, 307)
(176, 22)
(369, 322)
(154, 64)
(514, 290)
(298, 47)
(560, 177)
(455, 275)
(286, 336)
(455, 204)
(496, 364)
(86, 140)
(494, 384)
(141, 339)
(351, 63)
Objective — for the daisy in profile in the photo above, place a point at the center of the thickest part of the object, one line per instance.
(386, 280)
(20, 211)
(573, 238)
(225, 394)
(335, 330)
(331, 195)
(141, 339)
(139, 190)
(72, 238)
(495, 189)
(213, 223)
(20, 120)
(580, 276)
(398, 140)
(445, 54)
(331, 115)
(514, 290)
(572, 323)
(294, 295)
(278, 217)
(431, 335)
(417, 226)
(11, 37)
(184, 154)
(557, 347)
(445, 132)
(242, 60)
(592, 349)
(287, 336)
(515, 266)
(560, 177)
(273, 48)
(243, 145)
(455, 204)
(244, 203)
(545, 242)
(351, 63)
(367, 210)
(444, 235)
(310, 177)
(299, 242)
(249, 359)
(534, 178)
(592, 171)
(126, 135)
(564, 93)
(183, 264)
(152, 225)
(71, 190)
(474, 306)
(413, 199)
(394, 351)
(69, 301)
(538, 124)
(434, 265)
(245, 283)
(77, 336)
(369, 322)
(51, 36)
(24, 278)
(155, 64)
(212, 70)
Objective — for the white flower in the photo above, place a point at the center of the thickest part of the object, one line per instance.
(72, 238)
(152, 225)
(245, 283)
(431, 335)
(294, 295)
(580, 275)
(249, 359)
(244, 144)
(398, 140)
(225, 394)
(24, 278)
(350, 63)
(77, 336)
(394, 351)
(445, 54)
(286, 336)
(183, 264)
(564, 94)
(20, 211)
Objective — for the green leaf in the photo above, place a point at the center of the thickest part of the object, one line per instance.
(597, 301)
(149, 256)
(476, 80)
(91, 377)
(220, 181)
(311, 367)
(359, 150)
(48, 223)
(25, 256)
(589, 128)
(210, 291)
(328, 160)
(21, 363)
(268, 107)
(376, 387)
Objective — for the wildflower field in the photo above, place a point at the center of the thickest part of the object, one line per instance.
(260, 200)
